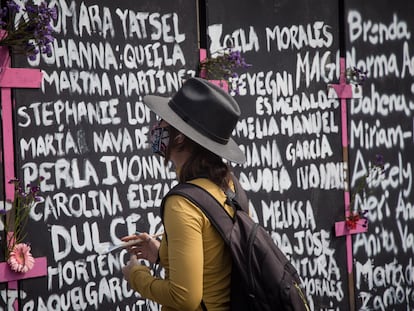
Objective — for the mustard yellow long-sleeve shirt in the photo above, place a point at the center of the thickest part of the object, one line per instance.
(195, 259)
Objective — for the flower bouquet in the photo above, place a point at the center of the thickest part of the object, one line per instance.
(17, 252)
(222, 66)
(355, 75)
(356, 215)
(27, 30)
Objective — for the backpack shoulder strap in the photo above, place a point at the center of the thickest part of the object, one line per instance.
(209, 205)
(239, 196)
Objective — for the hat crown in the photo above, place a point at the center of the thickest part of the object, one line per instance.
(204, 113)
(207, 108)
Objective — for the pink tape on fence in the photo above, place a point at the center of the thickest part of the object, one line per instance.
(20, 77)
(203, 54)
(342, 90)
(12, 77)
(341, 228)
(8, 143)
(221, 83)
(39, 269)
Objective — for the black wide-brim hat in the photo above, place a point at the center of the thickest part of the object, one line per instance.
(204, 113)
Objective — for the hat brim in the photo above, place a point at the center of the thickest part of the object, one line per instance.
(230, 151)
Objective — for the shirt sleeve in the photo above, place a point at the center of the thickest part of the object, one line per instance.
(183, 289)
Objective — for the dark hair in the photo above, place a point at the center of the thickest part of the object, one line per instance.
(201, 163)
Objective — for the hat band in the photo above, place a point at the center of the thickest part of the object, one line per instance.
(197, 126)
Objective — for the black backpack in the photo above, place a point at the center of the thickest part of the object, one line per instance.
(262, 277)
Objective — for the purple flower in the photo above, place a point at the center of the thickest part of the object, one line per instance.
(48, 39)
(53, 13)
(34, 189)
(47, 49)
(32, 57)
(22, 204)
(224, 66)
(31, 9)
(379, 160)
(355, 75)
(38, 198)
(3, 13)
(29, 34)
(13, 7)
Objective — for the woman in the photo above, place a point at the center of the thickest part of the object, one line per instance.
(194, 133)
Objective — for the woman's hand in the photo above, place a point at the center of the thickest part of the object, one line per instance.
(146, 249)
(126, 270)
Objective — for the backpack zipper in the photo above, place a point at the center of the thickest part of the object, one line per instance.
(302, 296)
